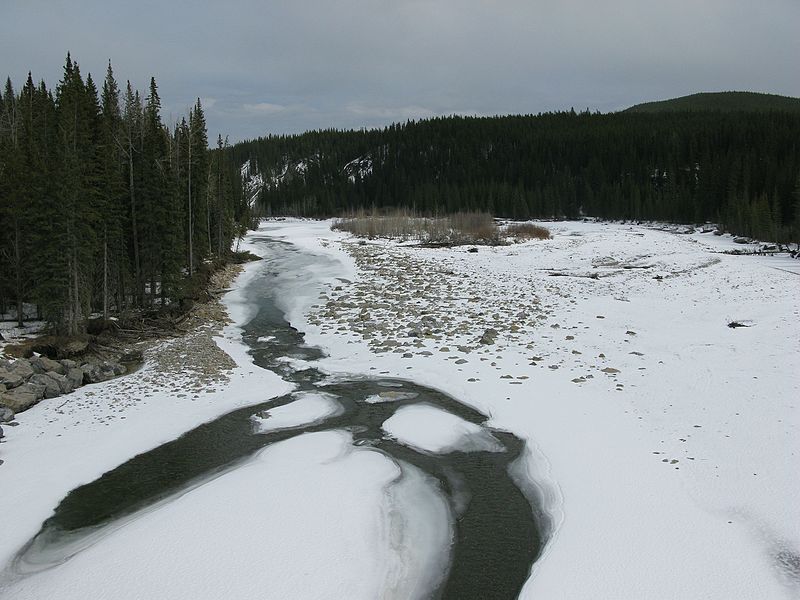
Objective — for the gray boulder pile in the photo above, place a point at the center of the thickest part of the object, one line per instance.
(26, 381)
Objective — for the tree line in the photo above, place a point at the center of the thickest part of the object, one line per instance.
(737, 168)
(103, 207)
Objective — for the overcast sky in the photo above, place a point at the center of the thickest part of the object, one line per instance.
(276, 67)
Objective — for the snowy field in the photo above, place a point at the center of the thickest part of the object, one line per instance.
(673, 438)
(670, 439)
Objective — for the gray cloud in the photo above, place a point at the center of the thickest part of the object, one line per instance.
(268, 66)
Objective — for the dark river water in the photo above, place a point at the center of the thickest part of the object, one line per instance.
(498, 531)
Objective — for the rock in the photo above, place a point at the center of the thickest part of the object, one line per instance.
(6, 414)
(489, 337)
(1, 437)
(23, 397)
(90, 373)
(95, 373)
(51, 387)
(741, 240)
(42, 364)
(610, 370)
(10, 378)
(64, 384)
(68, 364)
(75, 377)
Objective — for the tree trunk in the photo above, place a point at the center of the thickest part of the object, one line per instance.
(191, 221)
(105, 273)
(137, 297)
(18, 276)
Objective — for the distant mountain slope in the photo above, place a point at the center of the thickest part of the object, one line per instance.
(721, 101)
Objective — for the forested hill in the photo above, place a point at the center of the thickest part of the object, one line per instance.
(738, 168)
(722, 101)
(103, 207)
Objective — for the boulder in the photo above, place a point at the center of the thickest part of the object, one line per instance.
(75, 377)
(95, 373)
(51, 388)
(10, 378)
(23, 367)
(68, 364)
(23, 397)
(42, 364)
(91, 373)
(6, 414)
(64, 384)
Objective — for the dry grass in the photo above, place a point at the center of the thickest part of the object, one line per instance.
(455, 229)
(526, 231)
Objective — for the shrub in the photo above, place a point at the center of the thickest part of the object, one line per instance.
(459, 228)
(526, 231)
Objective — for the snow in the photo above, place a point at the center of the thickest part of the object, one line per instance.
(664, 443)
(431, 429)
(307, 409)
(389, 396)
(661, 444)
(263, 531)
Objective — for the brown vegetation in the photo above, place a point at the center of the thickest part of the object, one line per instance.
(452, 230)
(526, 231)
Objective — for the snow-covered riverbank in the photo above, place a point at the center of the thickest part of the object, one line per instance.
(673, 437)
(62, 443)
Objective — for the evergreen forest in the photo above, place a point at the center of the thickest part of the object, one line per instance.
(103, 207)
(739, 168)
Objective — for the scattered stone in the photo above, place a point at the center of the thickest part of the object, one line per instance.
(610, 370)
(489, 337)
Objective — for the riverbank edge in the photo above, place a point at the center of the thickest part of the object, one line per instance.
(66, 444)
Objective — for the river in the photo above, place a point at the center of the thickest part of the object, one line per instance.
(496, 532)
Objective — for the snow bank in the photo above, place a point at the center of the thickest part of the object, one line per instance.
(306, 518)
(431, 429)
